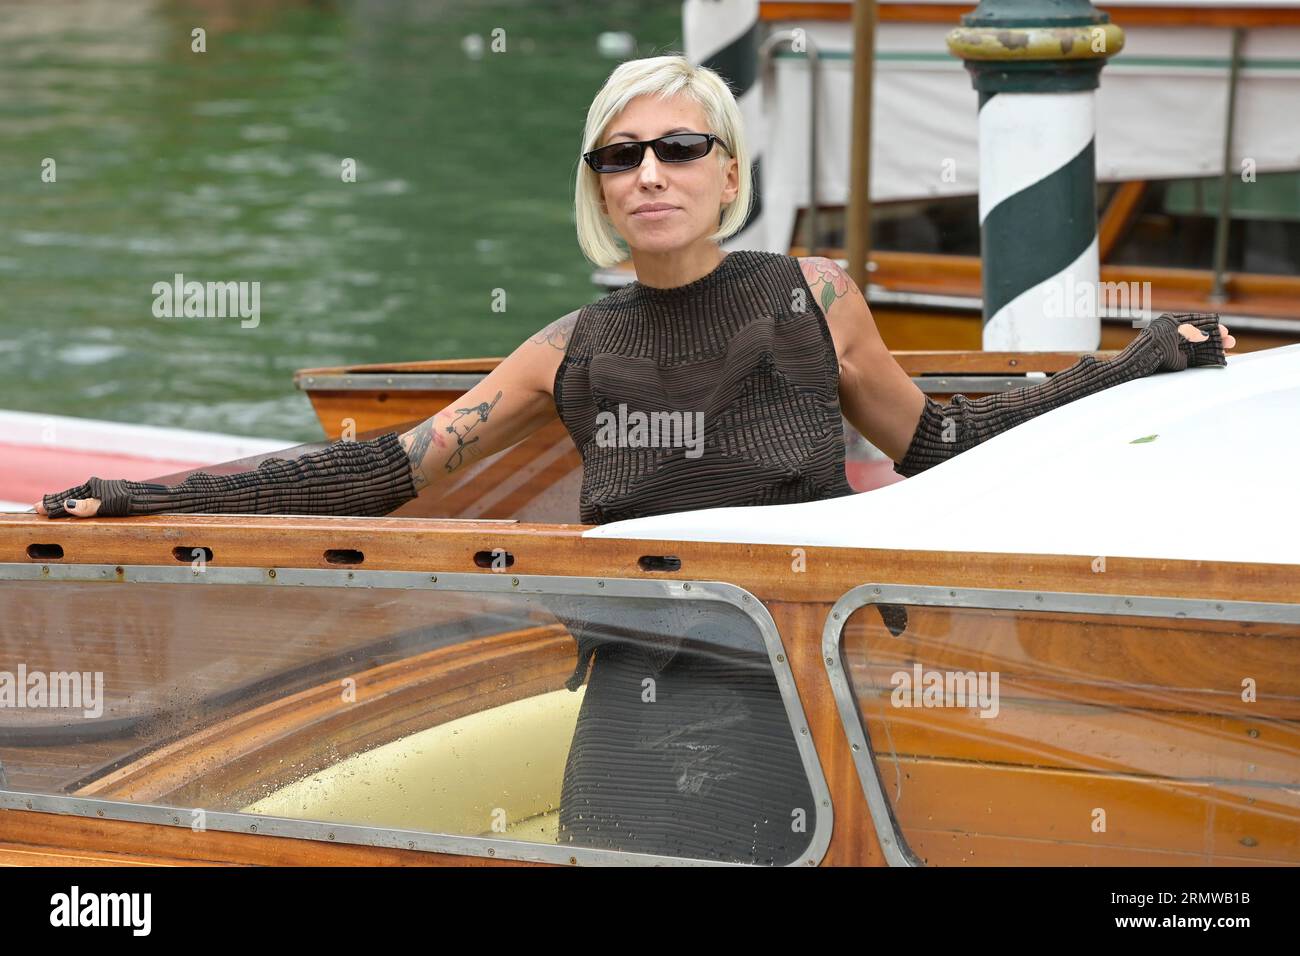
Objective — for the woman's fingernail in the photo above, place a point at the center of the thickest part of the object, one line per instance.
(70, 503)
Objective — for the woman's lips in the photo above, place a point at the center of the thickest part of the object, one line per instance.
(655, 213)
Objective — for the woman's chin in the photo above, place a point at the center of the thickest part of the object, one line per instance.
(658, 240)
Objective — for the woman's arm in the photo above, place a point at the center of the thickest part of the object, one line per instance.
(368, 478)
(884, 404)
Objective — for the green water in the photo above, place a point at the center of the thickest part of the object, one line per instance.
(226, 166)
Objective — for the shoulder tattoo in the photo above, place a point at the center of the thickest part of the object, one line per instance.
(826, 280)
(557, 333)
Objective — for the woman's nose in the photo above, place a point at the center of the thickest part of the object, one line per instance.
(649, 171)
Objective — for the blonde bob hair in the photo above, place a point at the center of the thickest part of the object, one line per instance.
(662, 76)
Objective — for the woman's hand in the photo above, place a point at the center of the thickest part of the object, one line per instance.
(84, 507)
(95, 496)
(1193, 334)
(1202, 340)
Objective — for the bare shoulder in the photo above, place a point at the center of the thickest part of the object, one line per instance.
(543, 352)
(829, 283)
(556, 335)
(848, 317)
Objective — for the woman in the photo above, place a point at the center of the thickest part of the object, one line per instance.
(768, 352)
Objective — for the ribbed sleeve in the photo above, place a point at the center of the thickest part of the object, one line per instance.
(369, 478)
(944, 431)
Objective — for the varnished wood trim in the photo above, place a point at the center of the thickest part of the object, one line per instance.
(937, 362)
(78, 835)
(1119, 214)
(853, 838)
(466, 365)
(430, 545)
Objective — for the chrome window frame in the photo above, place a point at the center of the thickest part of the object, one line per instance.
(434, 580)
(892, 842)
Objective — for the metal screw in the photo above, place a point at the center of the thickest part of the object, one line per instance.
(271, 573)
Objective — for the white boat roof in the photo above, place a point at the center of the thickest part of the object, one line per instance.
(1219, 481)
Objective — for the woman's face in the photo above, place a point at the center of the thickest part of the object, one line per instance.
(696, 190)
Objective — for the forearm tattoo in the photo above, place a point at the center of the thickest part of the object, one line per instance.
(466, 420)
(423, 436)
(447, 431)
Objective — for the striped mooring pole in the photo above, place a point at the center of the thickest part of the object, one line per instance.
(1036, 65)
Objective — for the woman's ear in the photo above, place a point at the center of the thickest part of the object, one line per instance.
(731, 182)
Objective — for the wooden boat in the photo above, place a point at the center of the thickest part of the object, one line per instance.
(298, 690)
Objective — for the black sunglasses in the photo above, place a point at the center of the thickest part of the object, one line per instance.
(673, 148)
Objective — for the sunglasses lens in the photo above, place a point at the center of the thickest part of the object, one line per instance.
(616, 157)
(682, 148)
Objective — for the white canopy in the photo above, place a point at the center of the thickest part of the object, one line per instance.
(1218, 482)
(1161, 111)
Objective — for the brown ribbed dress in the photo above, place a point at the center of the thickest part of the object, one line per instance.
(746, 351)
(709, 768)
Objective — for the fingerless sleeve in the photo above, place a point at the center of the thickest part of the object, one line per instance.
(369, 478)
(947, 430)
